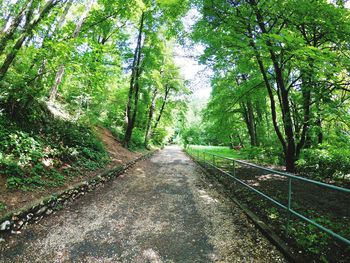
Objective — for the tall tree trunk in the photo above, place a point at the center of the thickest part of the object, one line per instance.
(41, 71)
(246, 120)
(165, 100)
(150, 116)
(319, 123)
(306, 92)
(319, 133)
(290, 149)
(9, 33)
(64, 15)
(28, 30)
(269, 88)
(241, 143)
(131, 108)
(57, 82)
(60, 71)
(249, 118)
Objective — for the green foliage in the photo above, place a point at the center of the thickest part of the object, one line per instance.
(80, 56)
(264, 155)
(32, 160)
(158, 136)
(192, 135)
(276, 85)
(273, 213)
(308, 238)
(2, 206)
(137, 139)
(311, 238)
(9, 167)
(221, 151)
(76, 141)
(325, 163)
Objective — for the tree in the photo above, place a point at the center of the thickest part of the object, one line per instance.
(285, 41)
(28, 28)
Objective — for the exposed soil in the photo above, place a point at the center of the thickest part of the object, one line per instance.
(117, 152)
(18, 199)
(160, 210)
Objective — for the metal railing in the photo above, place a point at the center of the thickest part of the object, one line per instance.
(212, 159)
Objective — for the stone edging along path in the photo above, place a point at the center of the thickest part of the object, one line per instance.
(15, 221)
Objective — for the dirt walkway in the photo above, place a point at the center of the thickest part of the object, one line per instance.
(158, 211)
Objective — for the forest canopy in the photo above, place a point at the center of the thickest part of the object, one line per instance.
(95, 61)
(280, 84)
(68, 67)
(281, 79)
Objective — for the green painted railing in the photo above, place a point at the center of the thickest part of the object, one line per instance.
(212, 159)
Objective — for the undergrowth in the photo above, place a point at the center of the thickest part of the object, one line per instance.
(36, 154)
(2, 206)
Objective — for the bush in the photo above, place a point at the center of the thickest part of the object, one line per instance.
(9, 167)
(2, 206)
(25, 150)
(25, 147)
(117, 132)
(137, 138)
(309, 237)
(326, 163)
(159, 136)
(266, 155)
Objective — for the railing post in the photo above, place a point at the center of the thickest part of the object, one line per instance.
(289, 204)
(214, 160)
(234, 168)
(234, 173)
(204, 158)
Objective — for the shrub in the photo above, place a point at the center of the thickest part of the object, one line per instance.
(2, 206)
(137, 138)
(266, 155)
(159, 136)
(25, 147)
(324, 163)
(8, 166)
(309, 237)
(23, 152)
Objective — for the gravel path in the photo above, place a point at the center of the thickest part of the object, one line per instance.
(160, 210)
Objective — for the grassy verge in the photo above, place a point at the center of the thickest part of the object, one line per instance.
(220, 150)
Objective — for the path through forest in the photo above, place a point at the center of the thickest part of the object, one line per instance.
(160, 210)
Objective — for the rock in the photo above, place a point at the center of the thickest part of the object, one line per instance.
(5, 225)
(2, 240)
(41, 210)
(37, 219)
(29, 216)
(49, 212)
(17, 213)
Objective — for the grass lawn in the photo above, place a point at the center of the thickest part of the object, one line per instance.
(219, 150)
